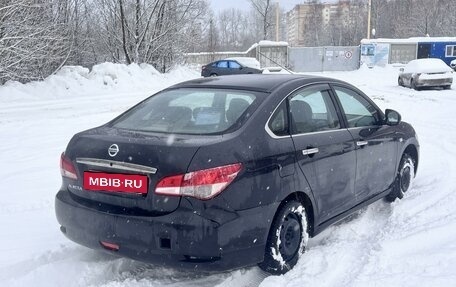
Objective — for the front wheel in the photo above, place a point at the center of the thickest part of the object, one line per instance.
(404, 178)
(400, 82)
(287, 239)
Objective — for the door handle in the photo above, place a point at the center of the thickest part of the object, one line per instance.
(362, 143)
(310, 151)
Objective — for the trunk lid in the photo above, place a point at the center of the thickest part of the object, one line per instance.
(124, 153)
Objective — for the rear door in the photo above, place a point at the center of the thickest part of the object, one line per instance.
(324, 150)
(376, 143)
(222, 68)
(235, 68)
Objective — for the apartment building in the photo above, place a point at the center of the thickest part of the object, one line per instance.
(304, 16)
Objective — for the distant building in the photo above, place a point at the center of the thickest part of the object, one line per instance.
(304, 16)
(379, 52)
(339, 13)
(296, 24)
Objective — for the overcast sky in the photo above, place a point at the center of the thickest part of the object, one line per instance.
(244, 4)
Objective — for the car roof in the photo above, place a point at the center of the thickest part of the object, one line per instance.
(427, 65)
(255, 82)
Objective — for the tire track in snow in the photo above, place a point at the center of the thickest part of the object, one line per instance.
(335, 256)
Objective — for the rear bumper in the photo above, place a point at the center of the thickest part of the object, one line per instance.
(181, 239)
(434, 82)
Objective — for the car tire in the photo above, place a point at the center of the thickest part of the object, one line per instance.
(413, 85)
(404, 178)
(287, 239)
(214, 75)
(400, 82)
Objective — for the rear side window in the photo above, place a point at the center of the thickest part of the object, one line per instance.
(234, 65)
(222, 64)
(278, 124)
(190, 111)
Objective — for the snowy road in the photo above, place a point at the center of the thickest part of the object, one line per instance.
(408, 243)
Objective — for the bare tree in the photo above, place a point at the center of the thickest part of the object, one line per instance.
(148, 31)
(263, 8)
(233, 29)
(412, 18)
(33, 43)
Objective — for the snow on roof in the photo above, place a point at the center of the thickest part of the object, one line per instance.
(252, 47)
(412, 40)
(265, 43)
(215, 53)
(429, 65)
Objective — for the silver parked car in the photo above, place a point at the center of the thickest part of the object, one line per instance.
(426, 73)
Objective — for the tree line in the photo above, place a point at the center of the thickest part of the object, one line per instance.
(348, 25)
(37, 37)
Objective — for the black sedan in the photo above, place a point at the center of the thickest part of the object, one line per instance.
(225, 172)
(231, 67)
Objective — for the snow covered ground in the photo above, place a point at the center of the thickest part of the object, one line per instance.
(408, 243)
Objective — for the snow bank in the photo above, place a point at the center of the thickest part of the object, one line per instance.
(76, 81)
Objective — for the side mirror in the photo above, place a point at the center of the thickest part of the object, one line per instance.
(392, 118)
(401, 70)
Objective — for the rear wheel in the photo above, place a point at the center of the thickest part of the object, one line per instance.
(404, 178)
(287, 239)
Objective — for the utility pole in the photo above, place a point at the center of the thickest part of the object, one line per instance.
(277, 21)
(369, 8)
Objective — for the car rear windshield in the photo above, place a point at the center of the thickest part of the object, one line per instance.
(191, 111)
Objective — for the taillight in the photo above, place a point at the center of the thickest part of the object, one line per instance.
(67, 168)
(203, 184)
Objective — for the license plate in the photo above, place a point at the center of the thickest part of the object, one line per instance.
(129, 183)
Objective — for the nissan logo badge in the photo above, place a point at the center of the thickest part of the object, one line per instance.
(113, 150)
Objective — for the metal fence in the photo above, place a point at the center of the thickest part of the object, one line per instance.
(297, 59)
(207, 57)
(272, 56)
(267, 54)
(319, 59)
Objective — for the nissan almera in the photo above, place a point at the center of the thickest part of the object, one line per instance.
(226, 172)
